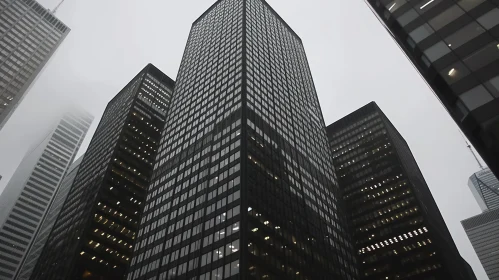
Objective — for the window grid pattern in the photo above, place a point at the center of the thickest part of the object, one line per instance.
(193, 206)
(28, 196)
(98, 224)
(290, 176)
(29, 34)
(393, 219)
(455, 46)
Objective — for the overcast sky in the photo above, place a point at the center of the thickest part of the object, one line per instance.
(353, 62)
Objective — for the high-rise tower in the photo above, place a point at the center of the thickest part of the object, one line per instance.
(243, 185)
(29, 36)
(485, 187)
(35, 250)
(454, 44)
(28, 195)
(398, 231)
(94, 233)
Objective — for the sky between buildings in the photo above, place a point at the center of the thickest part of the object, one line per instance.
(352, 58)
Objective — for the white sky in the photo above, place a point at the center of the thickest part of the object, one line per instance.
(353, 62)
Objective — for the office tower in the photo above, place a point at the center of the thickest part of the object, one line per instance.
(398, 231)
(485, 188)
(454, 44)
(29, 36)
(93, 235)
(243, 186)
(31, 190)
(36, 248)
(483, 232)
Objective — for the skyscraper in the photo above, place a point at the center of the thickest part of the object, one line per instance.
(483, 232)
(35, 250)
(31, 190)
(454, 44)
(398, 231)
(93, 235)
(485, 187)
(243, 185)
(29, 36)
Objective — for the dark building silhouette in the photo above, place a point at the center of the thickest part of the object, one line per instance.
(397, 229)
(94, 233)
(243, 185)
(455, 46)
(29, 36)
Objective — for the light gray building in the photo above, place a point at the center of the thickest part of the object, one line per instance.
(30, 192)
(29, 35)
(485, 187)
(41, 237)
(483, 232)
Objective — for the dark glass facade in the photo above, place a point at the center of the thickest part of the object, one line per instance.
(29, 36)
(397, 229)
(454, 44)
(94, 234)
(243, 185)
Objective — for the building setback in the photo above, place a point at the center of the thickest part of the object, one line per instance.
(29, 36)
(95, 231)
(243, 186)
(483, 232)
(455, 46)
(485, 188)
(398, 231)
(35, 250)
(31, 190)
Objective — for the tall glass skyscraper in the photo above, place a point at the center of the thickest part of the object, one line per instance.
(94, 233)
(28, 195)
(35, 250)
(454, 44)
(243, 185)
(29, 36)
(398, 231)
(485, 187)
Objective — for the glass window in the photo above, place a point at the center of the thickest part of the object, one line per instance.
(455, 72)
(469, 4)
(483, 56)
(493, 86)
(475, 97)
(420, 33)
(425, 5)
(464, 35)
(395, 5)
(446, 17)
(407, 17)
(490, 19)
(437, 51)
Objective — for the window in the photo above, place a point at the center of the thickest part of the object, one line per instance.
(475, 97)
(483, 56)
(493, 86)
(436, 51)
(408, 17)
(395, 5)
(469, 4)
(464, 35)
(490, 19)
(425, 5)
(455, 72)
(420, 33)
(446, 17)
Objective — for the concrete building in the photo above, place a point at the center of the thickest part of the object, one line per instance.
(29, 36)
(31, 190)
